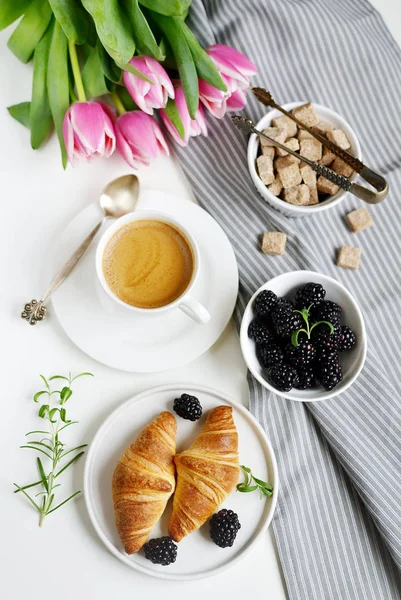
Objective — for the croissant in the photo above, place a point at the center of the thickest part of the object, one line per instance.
(143, 481)
(206, 473)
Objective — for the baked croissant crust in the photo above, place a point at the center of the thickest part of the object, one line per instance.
(143, 481)
(206, 473)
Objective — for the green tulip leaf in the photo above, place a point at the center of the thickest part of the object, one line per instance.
(110, 69)
(11, 10)
(93, 75)
(167, 7)
(30, 30)
(40, 116)
(58, 83)
(172, 113)
(73, 18)
(20, 112)
(144, 38)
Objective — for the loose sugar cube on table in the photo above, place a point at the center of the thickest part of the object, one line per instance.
(339, 138)
(298, 195)
(349, 257)
(341, 167)
(311, 148)
(306, 114)
(292, 144)
(359, 219)
(324, 186)
(265, 169)
(286, 123)
(276, 133)
(288, 171)
(274, 242)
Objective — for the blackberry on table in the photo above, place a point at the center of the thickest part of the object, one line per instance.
(301, 355)
(269, 355)
(285, 320)
(161, 551)
(265, 302)
(188, 407)
(306, 378)
(347, 339)
(224, 526)
(259, 332)
(311, 293)
(328, 311)
(283, 377)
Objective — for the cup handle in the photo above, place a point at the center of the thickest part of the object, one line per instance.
(195, 310)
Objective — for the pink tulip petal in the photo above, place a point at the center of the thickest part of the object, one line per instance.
(236, 101)
(218, 110)
(200, 117)
(211, 93)
(173, 131)
(163, 147)
(236, 59)
(160, 75)
(88, 123)
(124, 149)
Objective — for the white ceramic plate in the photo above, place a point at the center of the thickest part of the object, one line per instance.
(123, 339)
(198, 556)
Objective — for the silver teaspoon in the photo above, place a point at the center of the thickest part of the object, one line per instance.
(118, 198)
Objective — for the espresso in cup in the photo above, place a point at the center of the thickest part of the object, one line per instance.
(148, 263)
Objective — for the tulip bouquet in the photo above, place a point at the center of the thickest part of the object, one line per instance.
(101, 68)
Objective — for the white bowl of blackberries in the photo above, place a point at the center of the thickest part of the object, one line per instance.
(303, 336)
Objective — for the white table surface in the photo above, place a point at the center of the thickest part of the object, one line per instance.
(38, 199)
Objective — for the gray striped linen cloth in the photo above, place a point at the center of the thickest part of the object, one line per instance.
(338, 520)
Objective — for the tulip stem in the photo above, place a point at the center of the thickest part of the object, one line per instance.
(118, 102)
(76, 72)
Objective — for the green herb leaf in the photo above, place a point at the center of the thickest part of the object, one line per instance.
(26, 487)
(39, 394)
(167, 7)
(42, 474)
(264, 487)
(31, 500)
(73, 18)
(10, 10)
(330, 325)
(143, 34)
(245, 469)
(172, 113)
(58, 84)
(65, 501)
(82, 375)
(241, 487)
(77, 457)
(52, 412)
(30, 30)
(65, 394)
(36, 431)
(64, 454)
(37, 450)
(40, 115)
(43, 411)
(58, 377)
(63, 416)
(41, 444)
(45, 381)
(20, 112)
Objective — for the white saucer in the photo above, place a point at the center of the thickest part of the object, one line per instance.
(198, 556)
(130, 342)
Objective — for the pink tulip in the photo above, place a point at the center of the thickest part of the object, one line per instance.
(88, 132)
(235, 70)
(139, 138)
(146, 95)
(192, 127)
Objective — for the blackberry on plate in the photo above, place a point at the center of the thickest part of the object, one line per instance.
(265, 302)
(269, 355)
(330, 375)
(161, 551)
(259, 332)
(283, 377)
(285, 320)
(347, 339)
(188, 407)
(224, 526)
(328, 311)
(323, 338)
(301, 355)
(311, 293)
(306, 378)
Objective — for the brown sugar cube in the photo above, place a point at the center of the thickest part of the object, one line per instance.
(269, 151)
(286, 123)
(359, 219)
(308, 175)
(292, 144)
(340, 167)
(311, 149)
(349, 257)
(306, 114)
(327, 157)
(265, 169)
(323, 128)
(275, 187)
(276, 133)
(339, 138)
(288, 172)
(304, 135)
(313, 196)
(324, 186)
(298, 195)
(274, 242)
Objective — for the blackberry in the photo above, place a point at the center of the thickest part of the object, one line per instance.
(224, 527)
(311, 293)
(327, 356)
(188, 407)
(269, 355)
(161, 551)
(328, 311)
(306, 378)
(322, 338)
(300, 356)
(330, 374)
(259, 331)
(285, 320)
(347, 339)
(264, 302)
(283, 377)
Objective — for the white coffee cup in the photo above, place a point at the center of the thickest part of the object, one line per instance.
(185, 302)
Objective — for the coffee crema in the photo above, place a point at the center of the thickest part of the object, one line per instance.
(148, 264)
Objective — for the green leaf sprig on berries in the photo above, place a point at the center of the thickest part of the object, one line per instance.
(308, 330)
(49, 444)
(252, 483)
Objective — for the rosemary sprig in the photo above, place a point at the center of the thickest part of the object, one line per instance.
(308, 330)
(50, 445)
(252, 483)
